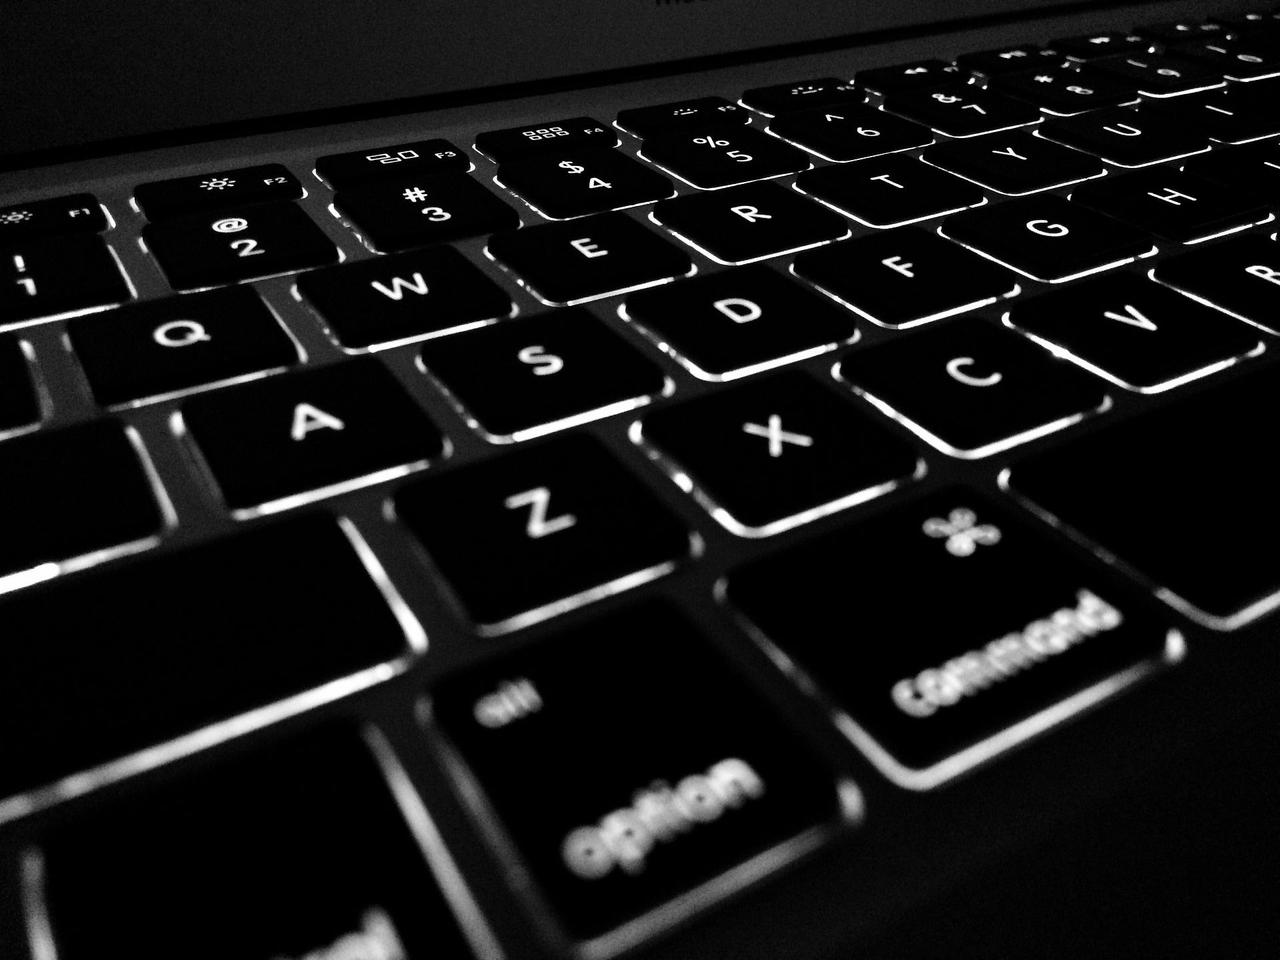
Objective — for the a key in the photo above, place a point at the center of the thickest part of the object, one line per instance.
(993, 63)
(890, 191)
(276, 611)
(1096, 45)
(750, 222)
(721, 156)
(19, 404)
(969, 653)
(971, 389)
(189, 196)
(781, 98)
(905, 277)
(543, 528)
(552, 136)
(162, 347)
(72, 497)
(76, 213)
(47, 277)
(1240, 62)
(849, 132)
(1223, 115)
(1174, 206)
(1162, 75)
(541, 373)
(1240, 276)
(1048, 238)
(425, 157)
(1127, 137)
(736, 322)
(416, 211)
(691, 774)
(1134, 333)
(918, 74)
(237, 244)
(576, 184)
(294, 850)
(687, 114)
(1066, 91)
(275, 443)
(1256, 166)
(564, 263)
(1014, 163)
(385, 301)
(960, 111)
(776, 452)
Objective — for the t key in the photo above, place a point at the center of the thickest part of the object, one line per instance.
(890, 191)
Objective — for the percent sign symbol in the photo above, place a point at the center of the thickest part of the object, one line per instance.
(711, 142)
(962, 531)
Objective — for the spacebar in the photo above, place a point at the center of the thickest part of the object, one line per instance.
(95, 668)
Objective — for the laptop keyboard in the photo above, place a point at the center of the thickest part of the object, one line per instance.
(899, 331)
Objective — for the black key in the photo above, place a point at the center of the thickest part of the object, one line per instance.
(1181, 31)
(1242, 61)
(19, 404)
(275, 611)
(552, 136)
(685, 785)
(1223, 116)
(77, 213)
(1174, 206)
(563, 263)
(783, 98)
(890, 191)
(1047, 238)
(399, 213)
(771, 454)
(749, 222)
(1240, 276)
(729, 324)
(294, 850)
(960, 111)
(932, 694)
(541, 373)
(1128, 138)
(918, 74)
(543, 528)
(238, 244)
(72, 497)
(162, 347)
(1199, 461)
(1134, 333)
(47, 277)
(698, 112)
(849, 133)
(1162, 75)
(905, 277)
(1066, 91)
(971, 389)
(582, 183)
(1014, 163)
(314, 433)
(1256, 166)
(421, 157)
(993, 63)
(188, 196)
(407, 296)
(722, 156)
(1096, 45)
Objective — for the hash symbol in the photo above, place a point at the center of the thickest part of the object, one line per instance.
(217, 183)
(962, 532)
(414, 194)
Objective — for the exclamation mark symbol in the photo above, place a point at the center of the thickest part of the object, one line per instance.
(27, 283)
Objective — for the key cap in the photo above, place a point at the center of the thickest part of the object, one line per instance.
(1240, 276)
(1098, 45)
(684, 786)
(272, 612)
(1162, 75)
(1239, 61)
(929, 692)
(553, 136)
(541, 373)
(1198, 460)
(843, 133)
(721, 156)
(404, 212)
(993, 63)
(918, 74)
(540, 530)
(970, 389)
(889, 191)
(777, 452)
(76, 213)
(1223, 116)
(1066, 91)
(727, 325)
(72, 497)
(1180, 31)
(781, 98)
(234, 245)
(47, 277)
(960, 111)
(1256, 166)
(386, 301)
(1047, 238)
(189, 196)
(295, 850)
(162, 347)
(905, 277)
(273, 444)
(682, 114)
(1174, 206)
(751, 222)
(1127, 138)
(421, 157)
(19, 404)
(582, 183)
(1014, 163)
(565, 263)
(1134, 333)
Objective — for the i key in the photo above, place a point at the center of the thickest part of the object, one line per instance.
(188, 196)
(1174, 206)
(543, 528)
(889, 191)
(1224, 116)
(1127, 137)
(971, 389)
(849, 132)
(1256, 166)
(1014, 163)
(46, 277)
(414, 211)
(960, 111)
(560, 186)
(722, 156)
(1240, 276)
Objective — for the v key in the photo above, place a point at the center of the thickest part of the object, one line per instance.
(1132, 316)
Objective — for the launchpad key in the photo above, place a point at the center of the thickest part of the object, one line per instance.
(575, 133)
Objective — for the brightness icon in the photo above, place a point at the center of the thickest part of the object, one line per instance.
(217, 183)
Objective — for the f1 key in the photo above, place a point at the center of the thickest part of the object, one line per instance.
(77, 213)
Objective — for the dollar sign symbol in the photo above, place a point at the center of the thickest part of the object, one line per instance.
(571, 166)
